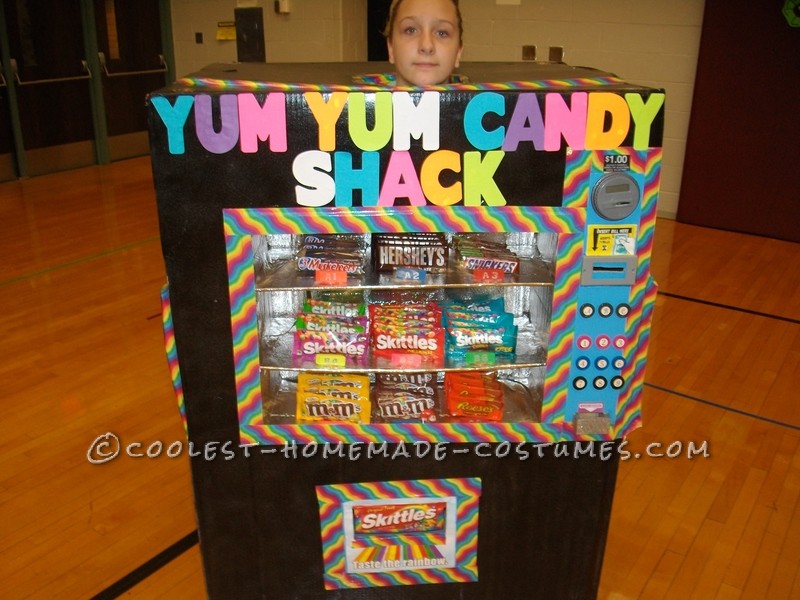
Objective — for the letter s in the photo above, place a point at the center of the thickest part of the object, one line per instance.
(311, 170)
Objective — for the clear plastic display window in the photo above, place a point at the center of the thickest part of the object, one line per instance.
(403, 327)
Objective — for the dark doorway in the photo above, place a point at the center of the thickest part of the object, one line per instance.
(377, 15)
(132, 65)
(52, 83)
(76, 75)
(740, 169)
(8, 168)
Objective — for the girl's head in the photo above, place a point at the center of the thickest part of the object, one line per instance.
(424, 40)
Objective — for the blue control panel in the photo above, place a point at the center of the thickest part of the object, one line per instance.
(608, 273)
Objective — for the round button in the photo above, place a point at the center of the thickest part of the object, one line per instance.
(584, 342)
(582, 363)
(618, 363)
(602, 341)
(623, 310)
(601, 363)
(617, 382)
(600, 383)
(605, 310)
(620, 341)
(579, 383)
(587, 310)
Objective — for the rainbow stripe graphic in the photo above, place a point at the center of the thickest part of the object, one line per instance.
(643, 296)
(240, 224)
(456, 560)
(577, 172)
(456, 219)
(379, 83)
(567, 280)
(172, 352)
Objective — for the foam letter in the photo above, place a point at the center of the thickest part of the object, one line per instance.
(326, 115)
(357, 120)
(560, 120)
(174, 117)
(430, 174)
(267, 122)
(401, 181)
(348, 179)
(224, 140)
(311, 170)
(420, 121)
(643, 113)
(479, 178)
(597, 136)
(477, 108)
(526, 124)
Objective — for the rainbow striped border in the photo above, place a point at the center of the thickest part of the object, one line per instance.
(240, 224)
(644, 289)
(380, 85)
(643, 297)
(172, 352)
(466, 492)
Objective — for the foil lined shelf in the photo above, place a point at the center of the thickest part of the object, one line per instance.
(284, 276)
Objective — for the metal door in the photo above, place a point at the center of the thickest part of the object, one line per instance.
(77, 73)
(7, 163)
(52, 85)
(132, 64)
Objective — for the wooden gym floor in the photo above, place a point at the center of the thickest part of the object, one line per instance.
(83, 356)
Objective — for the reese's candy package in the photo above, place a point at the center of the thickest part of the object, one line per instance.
(473, 397)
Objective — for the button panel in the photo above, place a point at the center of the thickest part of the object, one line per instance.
(599, 349)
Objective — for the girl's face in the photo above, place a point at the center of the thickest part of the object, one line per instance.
(424, 42)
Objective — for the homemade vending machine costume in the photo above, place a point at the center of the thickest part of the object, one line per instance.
(407, 327)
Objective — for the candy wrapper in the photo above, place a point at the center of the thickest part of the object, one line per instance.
(406, 397)
(425, 251)
(473, 397)
(409, 523)
(331, 253)
(407, 334)
(333, 397)
(475, 253)
(310, 344)
(479, 328)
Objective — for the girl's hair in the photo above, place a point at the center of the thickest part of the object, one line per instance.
(387, 32)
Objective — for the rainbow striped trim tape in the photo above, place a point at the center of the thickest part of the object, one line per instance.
(348, 564)
(241, 224)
